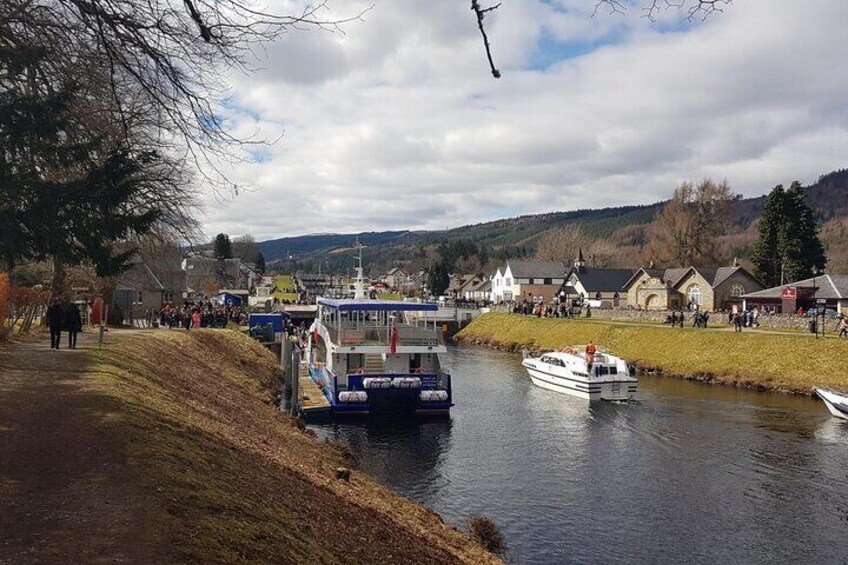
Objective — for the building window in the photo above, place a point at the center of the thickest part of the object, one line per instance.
(548, 281)
(139, 297)
(532, 281)
(694, 295)
(508, 282)
(737, 289)
(167, 297)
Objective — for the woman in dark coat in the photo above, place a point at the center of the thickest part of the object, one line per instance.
(53, 319)
(73, 323)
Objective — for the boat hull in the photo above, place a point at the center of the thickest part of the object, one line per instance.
(836, 404)
(587, 389)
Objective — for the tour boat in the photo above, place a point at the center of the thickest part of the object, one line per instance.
(835, 402)
(370, 356)
(567, 371)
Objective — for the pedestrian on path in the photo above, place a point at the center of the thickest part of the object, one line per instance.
(73, 323)
(53, 319)
(842, 327)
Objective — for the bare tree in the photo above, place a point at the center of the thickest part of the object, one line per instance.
(170, 55)
(650, 9)
(685, 232)
(562, 244)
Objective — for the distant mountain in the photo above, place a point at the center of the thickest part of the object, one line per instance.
(517, 237)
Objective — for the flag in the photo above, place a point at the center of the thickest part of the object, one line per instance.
(394, 340)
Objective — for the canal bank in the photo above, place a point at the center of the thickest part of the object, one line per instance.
(761, 361)
(168, 445)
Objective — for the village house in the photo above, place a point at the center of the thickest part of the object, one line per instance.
(596, 283)
(460, 284)
(831, 290)
(527, 280)
(480, 292)
(150, 283)
(206, 276)
(702, 288)
(394, 278)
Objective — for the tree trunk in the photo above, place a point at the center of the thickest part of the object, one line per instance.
(57, 285)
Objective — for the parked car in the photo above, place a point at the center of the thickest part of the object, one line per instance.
(828, 312)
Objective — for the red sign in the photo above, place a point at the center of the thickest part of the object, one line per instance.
(789, 292)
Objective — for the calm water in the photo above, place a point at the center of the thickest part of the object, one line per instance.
(688, 474)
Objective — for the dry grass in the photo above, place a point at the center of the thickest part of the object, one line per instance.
(777, 362)
(238, 481)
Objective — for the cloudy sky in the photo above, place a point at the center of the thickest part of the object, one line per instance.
(398, 124)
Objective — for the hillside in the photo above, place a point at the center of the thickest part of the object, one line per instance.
(516, 237)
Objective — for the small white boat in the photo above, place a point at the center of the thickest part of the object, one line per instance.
(607, 377)
(835, 402)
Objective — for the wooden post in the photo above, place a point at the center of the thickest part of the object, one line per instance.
(295, 369)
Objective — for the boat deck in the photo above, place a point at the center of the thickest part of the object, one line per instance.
(311, 400)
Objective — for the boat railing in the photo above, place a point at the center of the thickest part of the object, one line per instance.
(376, 335)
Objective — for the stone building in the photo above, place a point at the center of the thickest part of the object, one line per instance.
(828, 290)
(704, 288)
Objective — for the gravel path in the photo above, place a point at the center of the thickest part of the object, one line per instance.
(67, 493)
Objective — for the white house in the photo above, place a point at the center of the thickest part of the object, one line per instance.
(527, 280)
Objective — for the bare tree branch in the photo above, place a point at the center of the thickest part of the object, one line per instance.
(481, 14)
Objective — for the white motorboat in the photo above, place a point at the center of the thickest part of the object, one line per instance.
(836, 403)
(606, 377)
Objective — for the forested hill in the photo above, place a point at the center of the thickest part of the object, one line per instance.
(520, 232)
(518, 236)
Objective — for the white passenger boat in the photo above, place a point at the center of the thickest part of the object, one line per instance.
(607, 377)
(371, 356)
(836, 403)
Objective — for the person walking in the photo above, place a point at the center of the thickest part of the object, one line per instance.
(842, 327)
(73, 323)
(53, 319)
(737, 322)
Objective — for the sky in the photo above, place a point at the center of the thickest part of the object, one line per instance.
(395, 122)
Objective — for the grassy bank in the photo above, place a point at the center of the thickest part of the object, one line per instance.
(234, 480)
(774, 362)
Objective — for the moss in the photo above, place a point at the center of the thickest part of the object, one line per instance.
(760, 360)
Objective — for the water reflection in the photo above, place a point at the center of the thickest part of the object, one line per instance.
(688, 474)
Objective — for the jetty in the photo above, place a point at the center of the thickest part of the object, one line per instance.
(311, 400)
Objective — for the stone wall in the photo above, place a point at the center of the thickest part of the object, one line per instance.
(717, 319)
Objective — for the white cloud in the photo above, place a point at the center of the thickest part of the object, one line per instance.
(397, 123)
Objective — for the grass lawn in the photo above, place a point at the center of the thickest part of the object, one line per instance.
(769, 360)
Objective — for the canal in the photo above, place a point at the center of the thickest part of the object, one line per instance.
(689, 473)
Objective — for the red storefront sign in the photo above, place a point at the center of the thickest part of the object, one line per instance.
(789, 292)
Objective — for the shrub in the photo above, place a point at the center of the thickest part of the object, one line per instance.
(485, 532)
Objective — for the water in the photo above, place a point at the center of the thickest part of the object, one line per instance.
(688, 474)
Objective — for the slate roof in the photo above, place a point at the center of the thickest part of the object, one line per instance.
(536, 269)
(602, 280)
(713, 275)
(834, 287)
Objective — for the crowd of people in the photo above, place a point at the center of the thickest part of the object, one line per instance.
(541, 310)
(200, 314)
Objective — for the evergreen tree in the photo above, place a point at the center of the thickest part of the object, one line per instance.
(439, 278)
(260, 263)
(766, 258)
(788, 246)
(222, 246)
(66, 194)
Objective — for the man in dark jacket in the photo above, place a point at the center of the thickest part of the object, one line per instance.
(72, 323)
(54, 322)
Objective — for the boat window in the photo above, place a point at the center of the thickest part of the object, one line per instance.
(603, 370)
(613, 370)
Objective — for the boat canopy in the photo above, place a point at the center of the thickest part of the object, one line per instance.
(354, 305)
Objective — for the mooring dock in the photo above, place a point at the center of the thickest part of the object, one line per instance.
(310, 399)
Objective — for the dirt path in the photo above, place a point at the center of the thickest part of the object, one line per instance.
(66, 492)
